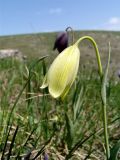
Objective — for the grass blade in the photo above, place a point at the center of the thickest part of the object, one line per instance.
(12, 143)
(42, 149)
(114, 151)
(3, 152)
(70, 131)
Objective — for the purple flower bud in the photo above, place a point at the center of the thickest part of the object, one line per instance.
(61, 41)
(45, 156)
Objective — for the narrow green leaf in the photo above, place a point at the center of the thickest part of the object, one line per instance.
(44, 67)
(70, 131)
(78, 104)
(114, 151)
(103, 96)
(5, 145)
(12, 143)
(104, 81)
(43, 148)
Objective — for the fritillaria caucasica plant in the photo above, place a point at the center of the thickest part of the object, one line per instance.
(62, 74)
(64, 68)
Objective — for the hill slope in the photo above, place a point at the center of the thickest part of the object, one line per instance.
(36, 45)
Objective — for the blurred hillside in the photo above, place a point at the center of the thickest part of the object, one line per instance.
(36, 45)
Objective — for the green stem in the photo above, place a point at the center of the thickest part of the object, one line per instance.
(97, 52)
(103, 88)
(72, 31)
(106, 132)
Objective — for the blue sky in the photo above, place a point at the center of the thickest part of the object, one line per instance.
(30, 16)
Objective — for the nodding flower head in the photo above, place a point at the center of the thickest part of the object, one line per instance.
(61, 41)
(62, 72)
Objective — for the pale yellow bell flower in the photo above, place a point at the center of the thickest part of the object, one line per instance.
(62, 72)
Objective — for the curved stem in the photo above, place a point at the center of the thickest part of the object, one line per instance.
(103, 88)
(97, 52)
(70, 28)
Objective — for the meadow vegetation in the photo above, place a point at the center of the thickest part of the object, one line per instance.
(33, 125)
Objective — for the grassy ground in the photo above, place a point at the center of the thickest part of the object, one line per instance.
(34, 125)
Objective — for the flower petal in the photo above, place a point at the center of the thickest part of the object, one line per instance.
(63, 71)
